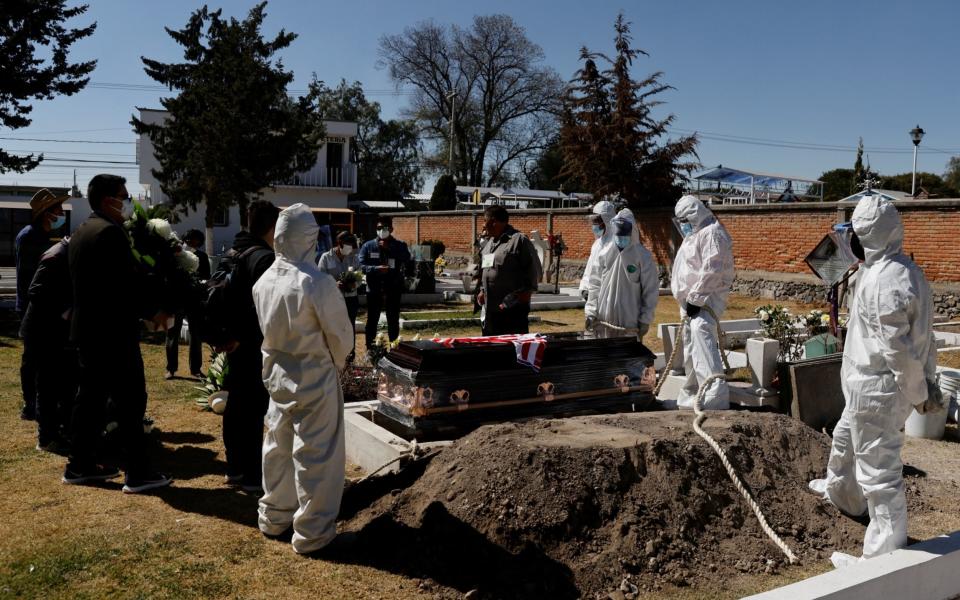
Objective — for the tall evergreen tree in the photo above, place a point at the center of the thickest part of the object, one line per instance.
(232, 130)
(610, 138)
(858, 171)
(444, 195)
(34, 44)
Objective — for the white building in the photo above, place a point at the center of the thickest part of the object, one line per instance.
(324, 188)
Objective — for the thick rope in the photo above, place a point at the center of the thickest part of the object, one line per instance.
(678, 343)
(701, 416)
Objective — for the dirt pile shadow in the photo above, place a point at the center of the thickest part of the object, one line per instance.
(567, 507)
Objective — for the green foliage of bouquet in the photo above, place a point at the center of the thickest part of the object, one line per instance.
(170, 266)
(216, 374)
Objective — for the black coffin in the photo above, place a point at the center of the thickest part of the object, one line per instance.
(426, 387)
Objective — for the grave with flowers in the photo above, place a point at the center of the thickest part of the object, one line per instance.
(795, 357)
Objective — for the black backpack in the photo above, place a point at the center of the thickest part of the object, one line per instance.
(220, 310)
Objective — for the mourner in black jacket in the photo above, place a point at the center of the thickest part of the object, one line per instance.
(193, 238)
(248, 399)
(110, 296)
(45, 331)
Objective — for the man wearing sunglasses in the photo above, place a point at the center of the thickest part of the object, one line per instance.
(110, 295)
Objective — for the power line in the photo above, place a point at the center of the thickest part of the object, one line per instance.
(139, 87)
(20, 139)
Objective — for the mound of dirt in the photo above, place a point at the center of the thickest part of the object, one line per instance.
(583, 506)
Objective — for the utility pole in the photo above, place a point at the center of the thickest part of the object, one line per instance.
(452, 97)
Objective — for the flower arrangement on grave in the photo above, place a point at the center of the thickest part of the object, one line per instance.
(777, 323)
(815, 322)
(439, 265)
(381, 346)
(171, 266)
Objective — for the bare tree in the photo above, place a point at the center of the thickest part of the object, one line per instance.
(504, 101)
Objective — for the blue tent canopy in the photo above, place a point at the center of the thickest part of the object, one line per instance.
(738, 177)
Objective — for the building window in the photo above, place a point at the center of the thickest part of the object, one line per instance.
(221, 217)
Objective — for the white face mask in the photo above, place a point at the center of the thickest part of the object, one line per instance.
(346, 250)
(126, 210)
(383, 233)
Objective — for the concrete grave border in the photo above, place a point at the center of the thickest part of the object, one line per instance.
(928, 570)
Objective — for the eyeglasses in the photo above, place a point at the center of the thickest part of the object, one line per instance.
(124, 198)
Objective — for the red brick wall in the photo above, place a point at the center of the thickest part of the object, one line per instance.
(765, 238)
(933, 237)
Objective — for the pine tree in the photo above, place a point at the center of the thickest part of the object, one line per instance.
(585, 123)
(34, 44)
(858, 172)
(444, 195)
(610, 137)
(232, 130)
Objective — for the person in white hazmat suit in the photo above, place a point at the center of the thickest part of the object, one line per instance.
(603, 213)
(629, 282)
(306, 340)
(702, 276)
(889, 366)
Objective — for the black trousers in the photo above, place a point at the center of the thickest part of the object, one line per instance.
(377, 302)
(57, 380)
(114, 372)
(514, 320)
(243, 417)
(28, 380)
(173, 347)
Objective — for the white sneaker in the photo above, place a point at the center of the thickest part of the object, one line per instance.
(818, 487)
(841, 560)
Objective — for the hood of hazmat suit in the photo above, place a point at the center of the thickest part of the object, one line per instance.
(702, 275)
(629, 281)
(703, 268)
(306, 339)
(889, 360)
(590, 282)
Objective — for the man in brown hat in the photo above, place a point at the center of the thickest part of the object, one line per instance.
(46, 216)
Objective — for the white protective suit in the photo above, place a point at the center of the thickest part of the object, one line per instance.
(590, 282)
(306, 339)
(702, 276)
(629, 283)
(889, 360)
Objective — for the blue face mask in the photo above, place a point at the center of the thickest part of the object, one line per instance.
(686, 229)
(597, 231)
(58, 222)
(622, 241)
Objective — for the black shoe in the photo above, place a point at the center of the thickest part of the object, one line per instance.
(77, 476)
(252, 486)
(148, 481)
(54, 446)
(28, 415)
(234, 480)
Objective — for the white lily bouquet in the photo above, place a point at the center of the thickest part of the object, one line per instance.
(350, 279)
(171, 266)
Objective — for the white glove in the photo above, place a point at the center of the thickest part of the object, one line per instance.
(934, 401)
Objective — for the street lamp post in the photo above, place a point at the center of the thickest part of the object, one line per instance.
(916, 134)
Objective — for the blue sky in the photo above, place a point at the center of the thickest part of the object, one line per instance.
(814, 72)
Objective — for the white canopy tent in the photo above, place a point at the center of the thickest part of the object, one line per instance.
(734, 186)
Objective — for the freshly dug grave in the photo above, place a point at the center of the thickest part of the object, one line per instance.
(574, 507)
